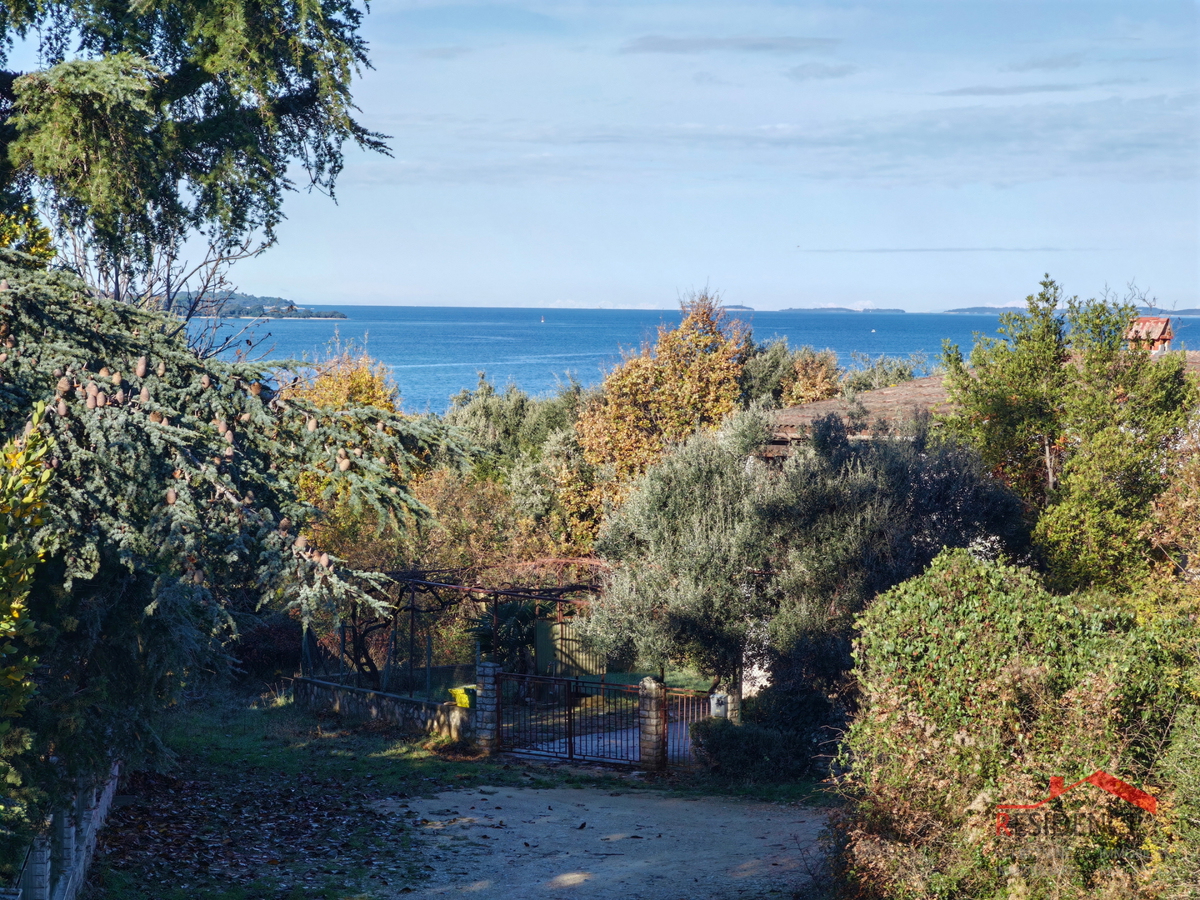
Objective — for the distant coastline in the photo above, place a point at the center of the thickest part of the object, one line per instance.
(840, 309)
(996, 310)
(248, 306)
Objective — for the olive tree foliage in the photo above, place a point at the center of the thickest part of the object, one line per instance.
(176, 507)
(884, 371)
(155, 120)
(720, 559)
(510, 427)
(1081, 424)
(775, 375)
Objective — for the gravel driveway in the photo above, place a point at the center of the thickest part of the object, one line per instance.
(556, 844)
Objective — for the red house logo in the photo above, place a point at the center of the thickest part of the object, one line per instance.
(1100, 779)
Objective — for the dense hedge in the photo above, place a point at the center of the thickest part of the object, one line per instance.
(978, 686)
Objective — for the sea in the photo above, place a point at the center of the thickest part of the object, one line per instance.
(436, 352)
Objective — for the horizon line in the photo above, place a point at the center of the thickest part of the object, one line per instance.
(951, 250)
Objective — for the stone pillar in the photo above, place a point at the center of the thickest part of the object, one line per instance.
(652, 724)
(487, 706)
(35, 883)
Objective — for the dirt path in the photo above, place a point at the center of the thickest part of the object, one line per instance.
(547, 844)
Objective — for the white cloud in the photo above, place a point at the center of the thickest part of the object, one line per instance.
(1138, 140)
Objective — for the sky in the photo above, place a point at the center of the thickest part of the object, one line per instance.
(922, 155)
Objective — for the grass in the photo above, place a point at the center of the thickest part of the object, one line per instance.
(267, 801)
(687, 679)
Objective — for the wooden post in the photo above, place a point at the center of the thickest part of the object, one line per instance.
(429, 664)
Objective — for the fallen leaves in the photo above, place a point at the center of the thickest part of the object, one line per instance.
(300, 832)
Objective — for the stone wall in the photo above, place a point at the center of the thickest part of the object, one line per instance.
(423, 716)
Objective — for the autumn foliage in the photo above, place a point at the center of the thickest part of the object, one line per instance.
(661, 396)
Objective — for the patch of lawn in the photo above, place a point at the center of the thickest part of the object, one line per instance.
(268, 801)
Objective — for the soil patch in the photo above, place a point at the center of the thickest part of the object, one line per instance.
(498, 843)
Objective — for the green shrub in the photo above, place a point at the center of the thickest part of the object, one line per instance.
(750, 752)
(978, 686)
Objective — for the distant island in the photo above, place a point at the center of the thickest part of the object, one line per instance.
(248, 306)
(1150, 311)
(839, 309)
(995, 310)
(739, 308)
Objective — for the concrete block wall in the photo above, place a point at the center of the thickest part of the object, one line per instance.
(57, 863)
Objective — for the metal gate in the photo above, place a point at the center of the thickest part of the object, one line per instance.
(570, 718)
(589, 720)
(683, 708)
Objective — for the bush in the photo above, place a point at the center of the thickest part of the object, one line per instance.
(978, 686)
(802, 713)
(750, 752)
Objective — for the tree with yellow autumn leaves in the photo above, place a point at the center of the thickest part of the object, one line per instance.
(659, 397)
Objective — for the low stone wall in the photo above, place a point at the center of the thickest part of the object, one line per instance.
(444, 719)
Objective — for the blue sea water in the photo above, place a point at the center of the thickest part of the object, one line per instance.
(435, 352)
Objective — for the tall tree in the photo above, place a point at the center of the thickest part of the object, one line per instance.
(1011, 394)
(175, 509)
(1081, 423)
(156, 119)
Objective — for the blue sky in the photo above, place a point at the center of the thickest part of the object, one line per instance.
(915, 154)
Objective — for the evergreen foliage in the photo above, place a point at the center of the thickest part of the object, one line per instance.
(175, 508)
(156, 118)
(721, 560)
(1081, 424)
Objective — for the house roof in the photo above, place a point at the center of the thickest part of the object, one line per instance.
(893, 405)
(1150, 328)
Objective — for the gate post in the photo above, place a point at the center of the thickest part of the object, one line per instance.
(487, 706)
(652, 724)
